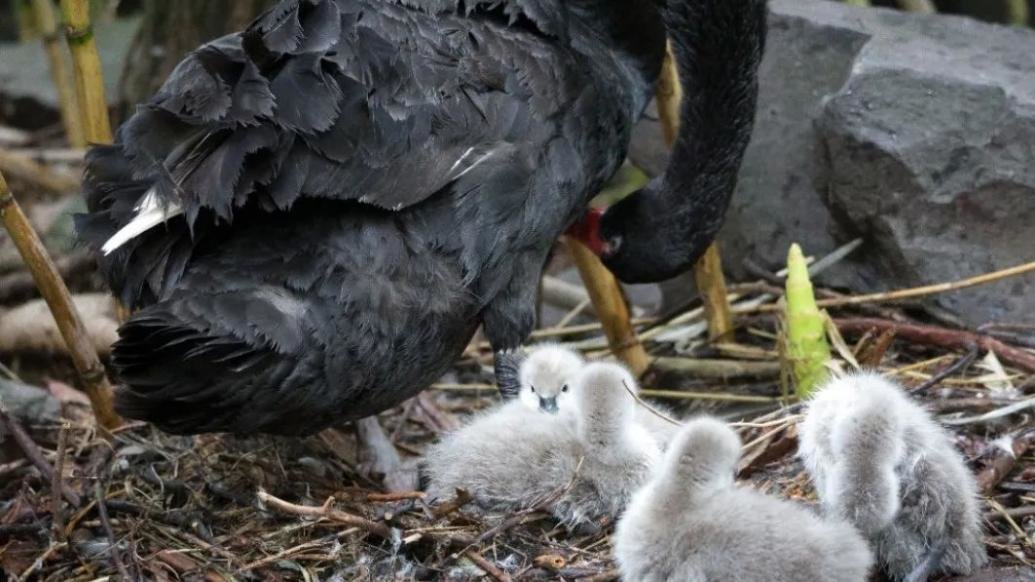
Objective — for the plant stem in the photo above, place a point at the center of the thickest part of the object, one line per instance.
(88, 75)
(1017, 12)
(921, 6)
(46, 20)
(56, 294)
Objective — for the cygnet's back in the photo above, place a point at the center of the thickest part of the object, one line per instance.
(616, 453)
(692, 523)
(881, 462)
(546, 376)
(502, 457)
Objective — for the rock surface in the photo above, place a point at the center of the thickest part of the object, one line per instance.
(916, 133)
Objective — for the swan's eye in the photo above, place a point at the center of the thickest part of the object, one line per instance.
(564, 388)
(613, 244)
(532, 387)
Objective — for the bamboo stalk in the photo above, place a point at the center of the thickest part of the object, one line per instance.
(920, 6)
(611, 307)
(88, 75)
(46, 20)
(864, 3)
(708, 275)
(56, 294)
(27, 27)
(1017, 12)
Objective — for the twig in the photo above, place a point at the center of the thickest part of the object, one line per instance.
(716, 396)
(327, 512)
(717, 369)
(907, 293)
(20, 285)
(650, 408)
(54, 291)
(46, 20)
(1014, 512)
(487, 566)
(993, 415)
(395, 496)
(611, 307)
(442, 510)
(1004, 460)
(32, 452)
(943, 337)
(57, 483)
(88, 74)
(38, 562)
(102, 511)
(950, 370)
(871, 353)
(29, 170)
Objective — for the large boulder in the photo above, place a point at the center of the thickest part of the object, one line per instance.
(916, 133)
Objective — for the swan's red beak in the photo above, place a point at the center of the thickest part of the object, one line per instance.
(587, 231)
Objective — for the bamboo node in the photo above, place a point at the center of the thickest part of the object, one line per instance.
(78, 35)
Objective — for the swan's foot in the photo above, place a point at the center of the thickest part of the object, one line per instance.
(380, 462)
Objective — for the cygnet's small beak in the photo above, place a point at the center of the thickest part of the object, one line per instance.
(548, 405)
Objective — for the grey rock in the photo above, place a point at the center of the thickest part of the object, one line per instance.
(28, 404)
(916, 133)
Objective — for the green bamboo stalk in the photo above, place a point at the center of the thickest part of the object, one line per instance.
(807, 348)
(26, 19)
(88, 75)
(59, 300)
(1017, 12)
(920, 6)
(864, 3)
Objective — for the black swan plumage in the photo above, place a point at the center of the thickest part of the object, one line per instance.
(661, 231)
(313, 216)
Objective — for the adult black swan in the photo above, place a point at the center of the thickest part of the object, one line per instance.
(312, 217)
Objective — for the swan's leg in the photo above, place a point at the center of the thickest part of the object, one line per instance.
(379, 460)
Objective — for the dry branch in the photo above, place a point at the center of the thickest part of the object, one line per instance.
(941, 336)
(32, 172)
(88, 74)
(611, 306)
(54, 291)
(32, 451)
(327, 512)
(717, 369)
(1003, 461)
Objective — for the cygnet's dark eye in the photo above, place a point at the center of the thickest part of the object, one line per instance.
(532, 387)
(564, 388)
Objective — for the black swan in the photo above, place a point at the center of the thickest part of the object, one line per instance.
(311, 217)
(661, 231)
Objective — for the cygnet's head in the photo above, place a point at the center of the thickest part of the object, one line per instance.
(547, 375)
(703, 456)
(606, 408)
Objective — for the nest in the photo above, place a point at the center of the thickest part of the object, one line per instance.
(146, 505)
